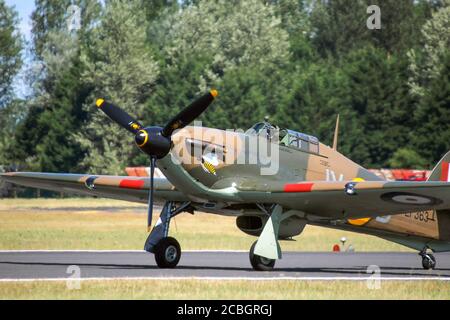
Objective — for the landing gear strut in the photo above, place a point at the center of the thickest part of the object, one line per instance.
(167, 250)
(428, 260)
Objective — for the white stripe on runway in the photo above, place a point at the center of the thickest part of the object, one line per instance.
(233, 279)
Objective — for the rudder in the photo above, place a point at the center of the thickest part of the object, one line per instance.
(441, 171)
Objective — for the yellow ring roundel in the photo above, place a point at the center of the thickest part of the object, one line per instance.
(145, 138)
(358, 222)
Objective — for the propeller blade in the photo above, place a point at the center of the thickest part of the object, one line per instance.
(150, 194)
(191, 112)
(119, 116)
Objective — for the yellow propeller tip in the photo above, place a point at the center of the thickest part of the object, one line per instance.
(99, 102)
(214, 93)
(149, 228)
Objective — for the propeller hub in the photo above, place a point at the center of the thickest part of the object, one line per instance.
(150, 141)
(141, 138)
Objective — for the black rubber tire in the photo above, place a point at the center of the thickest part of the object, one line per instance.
(429, 262)
(259, 263)
(167, 253)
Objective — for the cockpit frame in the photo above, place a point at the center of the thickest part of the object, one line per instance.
(287, 137)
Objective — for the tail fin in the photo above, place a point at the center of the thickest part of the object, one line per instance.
(441, 172)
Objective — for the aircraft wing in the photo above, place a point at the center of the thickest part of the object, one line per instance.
(321, 198)
(353, 199)
(116, 187)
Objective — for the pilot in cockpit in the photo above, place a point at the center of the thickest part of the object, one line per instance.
(264, 128)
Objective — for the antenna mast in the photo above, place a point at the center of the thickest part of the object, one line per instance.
(336, 134)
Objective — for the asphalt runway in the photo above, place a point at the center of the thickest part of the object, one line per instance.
(17, 265)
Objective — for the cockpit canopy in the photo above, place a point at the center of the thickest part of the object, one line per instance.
(286, 137)
(299, 140)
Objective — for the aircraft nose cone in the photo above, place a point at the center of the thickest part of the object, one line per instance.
(150, 141)
(141, 138)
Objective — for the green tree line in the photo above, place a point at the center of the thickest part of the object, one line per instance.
(299, 62)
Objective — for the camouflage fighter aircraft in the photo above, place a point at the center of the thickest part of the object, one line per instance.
(313, 184)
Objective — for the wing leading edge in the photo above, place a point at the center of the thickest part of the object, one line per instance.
(115, 187)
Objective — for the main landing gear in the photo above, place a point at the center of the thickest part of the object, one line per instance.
(267, 250)
(428, 260)
(166, 249)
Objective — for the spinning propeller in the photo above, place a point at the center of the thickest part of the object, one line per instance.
(156, 141)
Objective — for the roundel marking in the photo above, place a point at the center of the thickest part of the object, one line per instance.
(358, 222)
(89, 183)
(410, 198)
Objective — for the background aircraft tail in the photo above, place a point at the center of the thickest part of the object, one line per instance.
(441, 171)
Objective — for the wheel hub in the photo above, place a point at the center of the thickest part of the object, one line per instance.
(264, 260)
(171, 253)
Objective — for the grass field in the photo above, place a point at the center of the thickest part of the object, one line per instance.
(225, 290)
(109, 224)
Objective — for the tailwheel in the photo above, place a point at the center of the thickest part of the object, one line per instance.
(428, 261)
(260, 263)
(167, 253)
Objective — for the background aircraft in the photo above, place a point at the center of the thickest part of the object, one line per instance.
(314, 184)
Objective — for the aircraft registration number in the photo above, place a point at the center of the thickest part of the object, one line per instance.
(423, 216)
